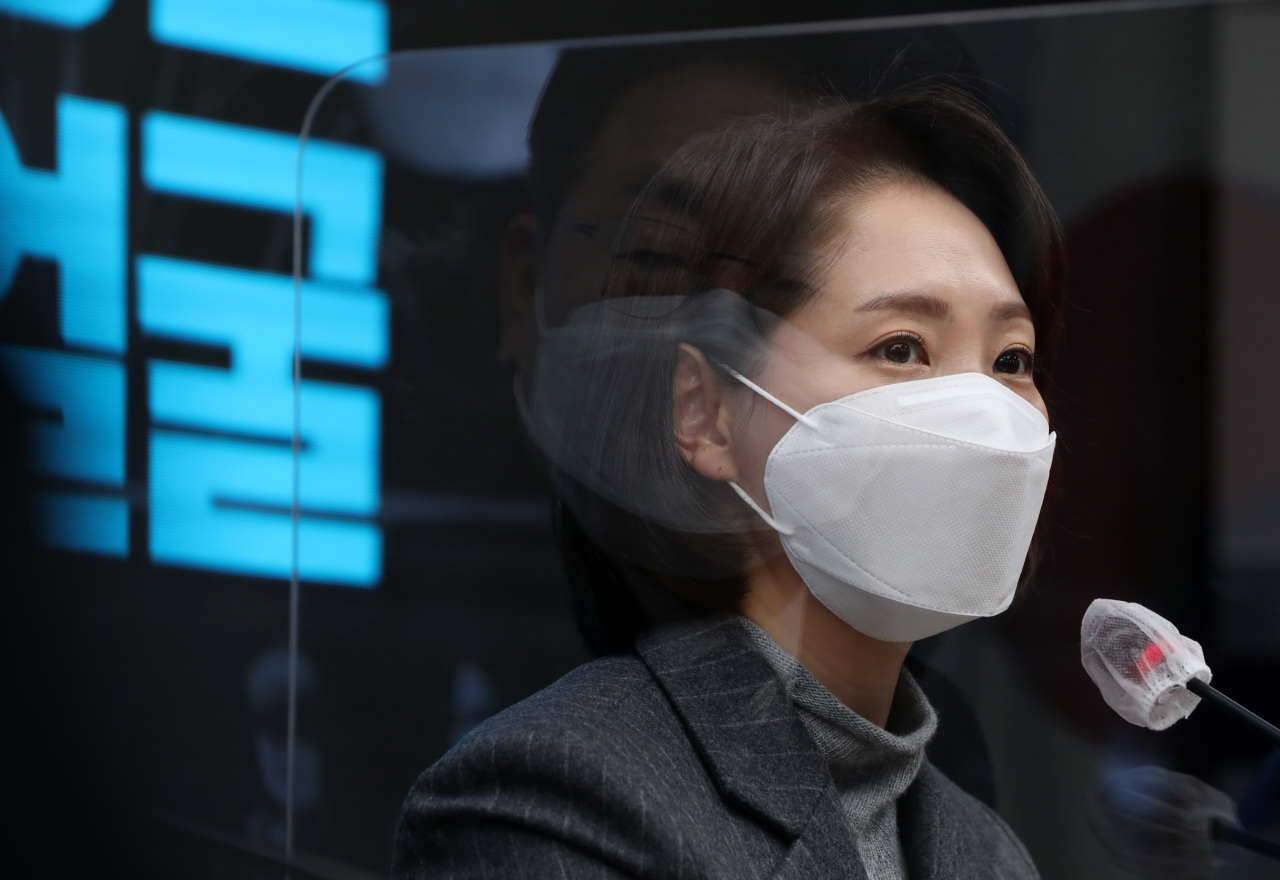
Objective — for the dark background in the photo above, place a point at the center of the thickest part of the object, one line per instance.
(133, 684)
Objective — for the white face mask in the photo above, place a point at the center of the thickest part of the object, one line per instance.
(909, 508)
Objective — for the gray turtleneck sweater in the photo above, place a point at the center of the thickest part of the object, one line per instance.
(871, 766)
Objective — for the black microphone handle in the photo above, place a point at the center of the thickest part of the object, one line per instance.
(1244, 840)
(1222, 701)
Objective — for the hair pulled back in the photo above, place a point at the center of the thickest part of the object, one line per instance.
(765, 198)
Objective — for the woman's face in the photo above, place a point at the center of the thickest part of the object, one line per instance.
(918, 289)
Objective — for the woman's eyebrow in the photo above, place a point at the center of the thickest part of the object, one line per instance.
(1011, 311)
(917, 303)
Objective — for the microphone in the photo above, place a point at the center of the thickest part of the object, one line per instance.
(1147, 671)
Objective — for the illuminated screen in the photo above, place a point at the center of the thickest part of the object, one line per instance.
(219, 484)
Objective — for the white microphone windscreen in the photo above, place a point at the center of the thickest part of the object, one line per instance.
(1140, 663)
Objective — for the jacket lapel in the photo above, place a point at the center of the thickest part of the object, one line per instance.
(927, 817)
(751, 739)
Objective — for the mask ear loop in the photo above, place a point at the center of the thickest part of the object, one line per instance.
(800, 417)
(773, 523)
(795, 414)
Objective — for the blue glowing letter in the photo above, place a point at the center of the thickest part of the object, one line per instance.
(89, 392)
(222, 502)
(75, 215)
(87, 446)
(60, 13)
(258, 169)
(87, 523)
(316, 36)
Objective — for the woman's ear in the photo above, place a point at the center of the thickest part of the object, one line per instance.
(517, 280)
(701, 416)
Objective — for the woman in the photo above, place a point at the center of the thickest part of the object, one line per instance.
(792, 405)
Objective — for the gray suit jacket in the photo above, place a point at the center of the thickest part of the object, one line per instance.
(688, 761)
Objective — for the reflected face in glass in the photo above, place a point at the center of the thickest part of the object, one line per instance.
(641, 133)
(918, 288)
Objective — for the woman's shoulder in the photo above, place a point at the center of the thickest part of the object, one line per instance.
(600, 697)
(599, 725)
(592, 768)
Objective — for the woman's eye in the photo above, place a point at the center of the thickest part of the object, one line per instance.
(1015, 361)
(903, 350)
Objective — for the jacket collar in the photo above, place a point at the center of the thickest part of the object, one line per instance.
(928, 817)
(749, 735)
(740, 720)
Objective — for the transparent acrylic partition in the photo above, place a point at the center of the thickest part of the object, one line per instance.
(428, 593)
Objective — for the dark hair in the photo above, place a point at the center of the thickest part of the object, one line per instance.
(758, 191)
(588, 84)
